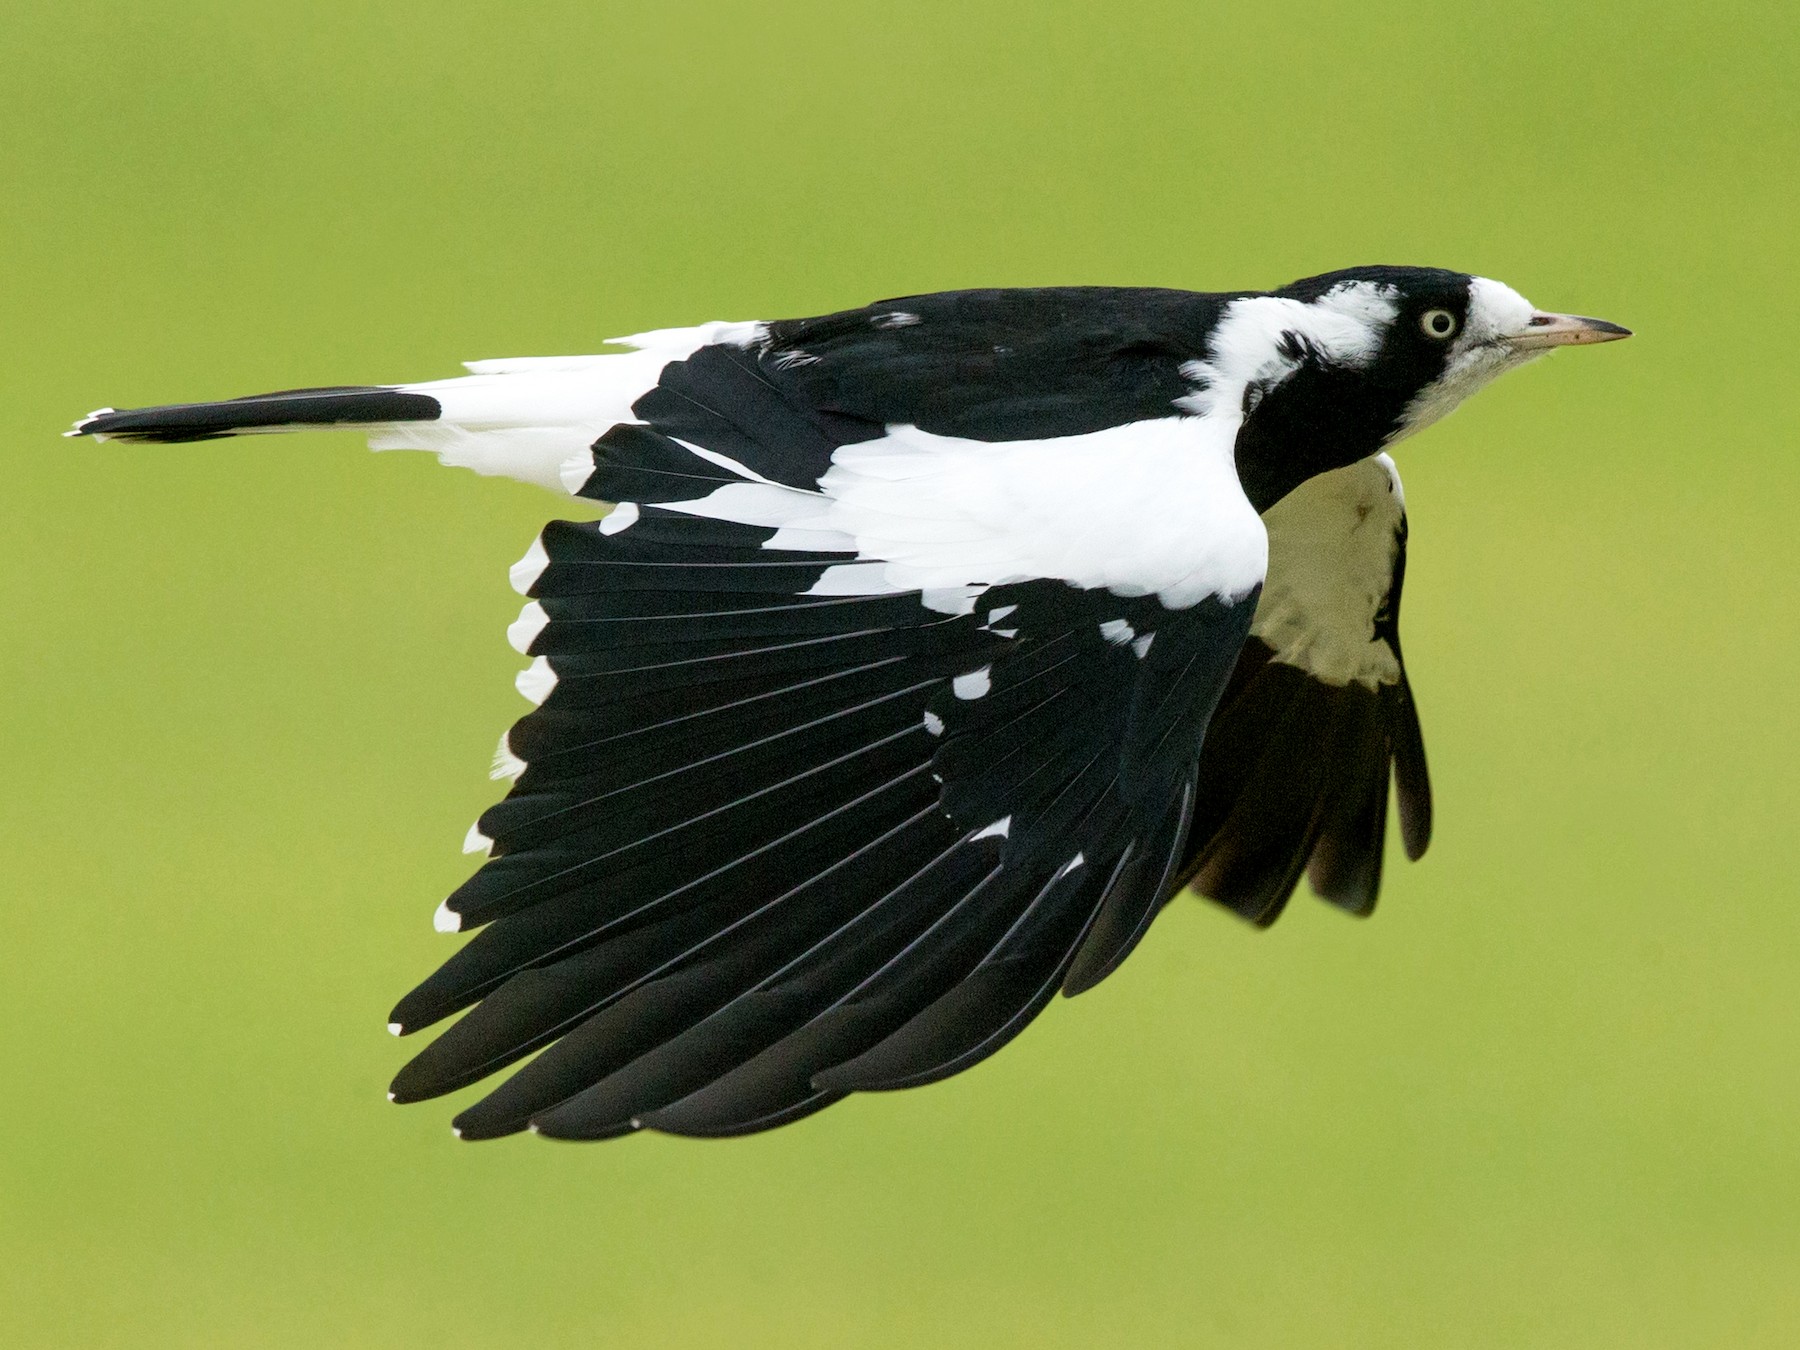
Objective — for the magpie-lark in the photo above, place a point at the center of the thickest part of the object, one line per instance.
(928, 650)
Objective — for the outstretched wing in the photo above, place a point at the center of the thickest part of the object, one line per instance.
(867, 720)
(1294, 774)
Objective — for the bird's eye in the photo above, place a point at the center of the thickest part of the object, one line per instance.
(1438, 323)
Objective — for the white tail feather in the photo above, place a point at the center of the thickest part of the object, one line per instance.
(527, 417)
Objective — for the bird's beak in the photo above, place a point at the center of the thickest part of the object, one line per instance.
(1543, 331)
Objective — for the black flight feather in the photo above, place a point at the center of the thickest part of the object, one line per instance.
(761, 833)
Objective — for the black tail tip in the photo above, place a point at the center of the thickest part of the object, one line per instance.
(293, 408)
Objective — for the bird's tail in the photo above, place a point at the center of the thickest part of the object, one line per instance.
(519, 419)
(525, 418)
(286, 410)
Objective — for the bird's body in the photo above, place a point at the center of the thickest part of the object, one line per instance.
(928, 650)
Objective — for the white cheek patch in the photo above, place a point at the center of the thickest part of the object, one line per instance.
(1476, 356)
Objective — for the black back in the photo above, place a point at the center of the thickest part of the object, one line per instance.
(1002, 364)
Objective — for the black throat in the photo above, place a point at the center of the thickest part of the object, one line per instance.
(1319, 418)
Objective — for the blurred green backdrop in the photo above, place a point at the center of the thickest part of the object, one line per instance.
(1547, 1097)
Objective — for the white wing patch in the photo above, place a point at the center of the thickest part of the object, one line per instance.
(1146, 508)
(1333, 545)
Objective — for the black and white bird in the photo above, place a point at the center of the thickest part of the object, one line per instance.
(927, 651)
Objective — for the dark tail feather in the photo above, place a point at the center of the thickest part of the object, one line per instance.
(333, 407)
(1412, 781)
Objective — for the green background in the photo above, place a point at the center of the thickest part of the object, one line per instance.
(1547, 1097)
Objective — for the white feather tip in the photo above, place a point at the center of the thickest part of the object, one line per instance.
(575, 472)
(524, 573)
(524, 629)
(506, 763)
(621, 517)
(536, 681)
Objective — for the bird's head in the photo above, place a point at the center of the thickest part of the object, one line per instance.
(1442, 335)
(1335, 367)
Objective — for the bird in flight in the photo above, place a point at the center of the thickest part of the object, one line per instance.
(927, 651)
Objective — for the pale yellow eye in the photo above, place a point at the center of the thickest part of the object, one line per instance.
(1438, 323)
